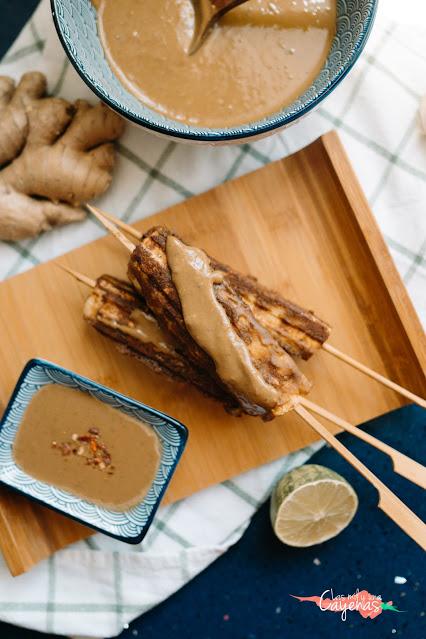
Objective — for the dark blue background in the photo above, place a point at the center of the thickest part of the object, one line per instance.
(253, 581)
(14, 14)
(246, 593)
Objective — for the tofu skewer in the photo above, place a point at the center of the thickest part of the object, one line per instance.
(388, 501)
(299, 331)
(109, 292)
(216, 328)
(114, 309)
(252, 365)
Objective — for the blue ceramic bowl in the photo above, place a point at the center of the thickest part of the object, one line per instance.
(130, 526)
(75, 21)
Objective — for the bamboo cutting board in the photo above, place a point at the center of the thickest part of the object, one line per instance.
(303, 227)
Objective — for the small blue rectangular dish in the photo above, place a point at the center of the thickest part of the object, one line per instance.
(130, 526)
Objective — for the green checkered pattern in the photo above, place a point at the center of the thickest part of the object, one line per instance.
(99, 585)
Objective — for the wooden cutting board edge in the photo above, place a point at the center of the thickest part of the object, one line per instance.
(371, 234)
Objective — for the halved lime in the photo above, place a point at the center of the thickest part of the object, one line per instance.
(311, 504)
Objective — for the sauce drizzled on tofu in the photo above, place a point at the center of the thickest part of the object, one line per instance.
(209, 325)
(72, 441)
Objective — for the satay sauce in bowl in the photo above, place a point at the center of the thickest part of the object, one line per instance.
(88, 451)
(264, 65)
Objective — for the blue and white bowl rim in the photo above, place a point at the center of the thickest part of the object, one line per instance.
(258, 128)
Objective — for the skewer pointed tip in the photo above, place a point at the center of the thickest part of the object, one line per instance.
(111, 227)
(78, 276)
(127, 228)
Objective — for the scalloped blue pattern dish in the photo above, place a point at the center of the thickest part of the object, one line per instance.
(130, 526)
(75, 22)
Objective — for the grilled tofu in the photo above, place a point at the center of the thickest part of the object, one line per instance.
(150, 274)
(299, 331)
(114, 309)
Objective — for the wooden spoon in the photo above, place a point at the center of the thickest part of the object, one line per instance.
(206, 14)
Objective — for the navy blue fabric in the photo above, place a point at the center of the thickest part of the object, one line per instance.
(246, 593)
(12, 632)
(14, 14)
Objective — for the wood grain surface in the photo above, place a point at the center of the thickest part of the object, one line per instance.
(303, 227)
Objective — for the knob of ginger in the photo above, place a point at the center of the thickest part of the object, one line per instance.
(54, 156)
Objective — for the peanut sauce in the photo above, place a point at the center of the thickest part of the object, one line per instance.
(207, 322)
(258, 59)
(75, 442)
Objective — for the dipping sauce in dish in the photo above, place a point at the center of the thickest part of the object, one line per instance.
(258, 59)
(70, 440)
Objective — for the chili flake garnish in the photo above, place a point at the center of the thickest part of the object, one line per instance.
(90, 447)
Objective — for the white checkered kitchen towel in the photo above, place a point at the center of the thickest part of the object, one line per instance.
(96, 587)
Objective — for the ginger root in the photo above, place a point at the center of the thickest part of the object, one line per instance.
(55, 156)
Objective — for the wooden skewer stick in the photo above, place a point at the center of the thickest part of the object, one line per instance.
(78, 276)
(389, 503)
(374, 375)
(112, 227)
(130, 230)
(326, 346)
(403, 465)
